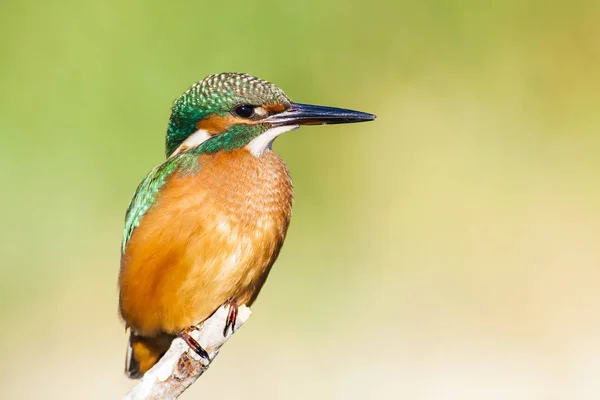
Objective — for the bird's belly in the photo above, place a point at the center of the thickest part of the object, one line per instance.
(186, 288)
(234, 264)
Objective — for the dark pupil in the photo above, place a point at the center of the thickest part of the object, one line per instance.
(244, 111)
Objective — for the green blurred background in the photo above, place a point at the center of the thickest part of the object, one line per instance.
(448, 250)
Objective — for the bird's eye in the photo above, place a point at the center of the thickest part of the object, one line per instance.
(244, 111)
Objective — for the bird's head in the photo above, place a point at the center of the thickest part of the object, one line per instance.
(229, 111)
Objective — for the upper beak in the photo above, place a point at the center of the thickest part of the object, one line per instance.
(307, 114)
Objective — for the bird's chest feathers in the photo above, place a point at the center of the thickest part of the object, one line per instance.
(245, 251)
(240, 206)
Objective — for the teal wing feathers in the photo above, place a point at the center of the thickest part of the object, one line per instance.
(147, 193)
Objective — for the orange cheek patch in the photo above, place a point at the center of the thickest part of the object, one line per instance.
(218, 124)
(215, 124)
(274, 108)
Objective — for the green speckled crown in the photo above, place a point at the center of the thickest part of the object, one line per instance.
(217, 94)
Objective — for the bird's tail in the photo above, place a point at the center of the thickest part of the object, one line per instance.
(143, 353)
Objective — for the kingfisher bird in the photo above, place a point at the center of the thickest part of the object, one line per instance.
(204, 227)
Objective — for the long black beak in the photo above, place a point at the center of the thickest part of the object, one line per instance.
(307, 114)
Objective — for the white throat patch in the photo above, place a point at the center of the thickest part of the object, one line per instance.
(260, 144)
(194, 140)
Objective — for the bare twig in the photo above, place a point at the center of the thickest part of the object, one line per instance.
(181, 366)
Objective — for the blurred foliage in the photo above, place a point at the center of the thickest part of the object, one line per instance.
(451, 245)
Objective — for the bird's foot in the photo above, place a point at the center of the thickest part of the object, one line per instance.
(231, 316)
(194, 345)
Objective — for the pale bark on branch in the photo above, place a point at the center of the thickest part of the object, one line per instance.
(181, 366)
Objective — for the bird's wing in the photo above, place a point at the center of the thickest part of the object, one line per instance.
(147, 193)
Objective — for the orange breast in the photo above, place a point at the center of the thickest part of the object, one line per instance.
(212, 235)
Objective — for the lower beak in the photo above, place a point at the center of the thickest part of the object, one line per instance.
(306, 114)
